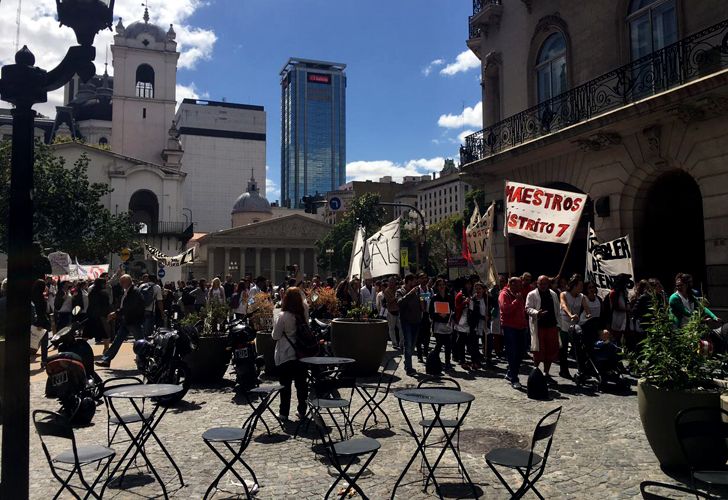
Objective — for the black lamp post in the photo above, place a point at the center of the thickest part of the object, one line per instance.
(24, 85)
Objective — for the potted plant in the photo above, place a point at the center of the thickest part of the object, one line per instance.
(676, 372)
(262, 322)
(361, 337)
(209, 362)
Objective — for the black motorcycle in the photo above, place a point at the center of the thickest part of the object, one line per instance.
(160, 358)
(72, 379)
(245, 360)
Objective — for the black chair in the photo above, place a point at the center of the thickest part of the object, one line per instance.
(49, 424)
(240, 437)
(702, 434)
(266, 393)
(374, 395)
(327, 395)
(130, 418)
(529, 464)
(648, 495)
(346, 451)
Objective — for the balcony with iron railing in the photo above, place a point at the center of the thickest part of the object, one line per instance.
(485, 14)
(696, 56)
(163, 228)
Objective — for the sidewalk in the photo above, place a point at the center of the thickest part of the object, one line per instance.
(124, 360)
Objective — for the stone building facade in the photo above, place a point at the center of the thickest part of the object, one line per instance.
(443, 195)
(623, 100)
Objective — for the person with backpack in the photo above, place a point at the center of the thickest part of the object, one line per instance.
(285, 332)
(153, 302)
(130, 317)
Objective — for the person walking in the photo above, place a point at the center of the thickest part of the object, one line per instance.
(494, 341)
(619, 305)
(410, 316)
(513, 323)
(461, 326)
(63, 305)
(478, 325)
(392, 313)
(683, 303)
(216, 293)
(423, 336)
(150, 291)
(130, 316)
(572, 303)
(542, 307)
(290, 369)
(368, 295)
(239, 300)
(99, 308)
(200, 295)
(440, 311)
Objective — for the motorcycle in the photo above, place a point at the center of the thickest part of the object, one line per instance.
(245, 360)
(72, 379)
(160, 358)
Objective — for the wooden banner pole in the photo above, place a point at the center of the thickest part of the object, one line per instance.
(507, 242)
(573, 235)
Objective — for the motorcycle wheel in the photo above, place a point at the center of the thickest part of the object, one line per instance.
(178, 373)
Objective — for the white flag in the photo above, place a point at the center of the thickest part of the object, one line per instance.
(605, 261)
(381, 252)
(479, 235)
(357, 255)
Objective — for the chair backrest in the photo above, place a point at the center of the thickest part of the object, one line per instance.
(251, 421)
(50, 424)
(114, 382)
(645, 486)
(325, 433)
(544, 431)
(440, 383)
(387, 374)
(702, 434)
(329, 382)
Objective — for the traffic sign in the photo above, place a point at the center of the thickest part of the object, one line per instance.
(335, 203)
(125, 254)
(161, 273)
(404, 258)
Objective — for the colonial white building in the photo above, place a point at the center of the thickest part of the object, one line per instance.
(442, 196)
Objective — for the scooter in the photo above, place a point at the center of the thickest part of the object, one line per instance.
(245, 360)
(72, 378)
(160, 358)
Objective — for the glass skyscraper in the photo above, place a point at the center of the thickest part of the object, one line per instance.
(313, 129)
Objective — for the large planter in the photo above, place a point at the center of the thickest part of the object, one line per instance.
(364, 341)
(658, 409)
(209, 362)
(2, 376)
(265, 345)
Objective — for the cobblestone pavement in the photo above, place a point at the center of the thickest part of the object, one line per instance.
(599, 451)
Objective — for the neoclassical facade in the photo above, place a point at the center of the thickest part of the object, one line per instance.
(626, 101)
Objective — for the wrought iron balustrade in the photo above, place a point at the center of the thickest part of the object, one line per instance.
(473, 30)
(166, 228)
(693, 57)
(479, 5)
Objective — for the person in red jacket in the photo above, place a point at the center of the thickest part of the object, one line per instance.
(514, 326)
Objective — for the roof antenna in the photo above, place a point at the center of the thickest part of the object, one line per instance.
(146, 11)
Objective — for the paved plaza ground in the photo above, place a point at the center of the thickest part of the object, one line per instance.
(600, 450)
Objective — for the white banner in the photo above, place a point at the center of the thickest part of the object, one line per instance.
(381, 252)
(605, 261)
(186, 257)
(357, 255)
(60, 263)
(79, 272)
(543, 214)
(479, 235)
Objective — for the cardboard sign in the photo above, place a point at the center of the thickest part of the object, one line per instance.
(381, 252)
(605, 261)
(442, 307)
(60, 263)
(542, 214)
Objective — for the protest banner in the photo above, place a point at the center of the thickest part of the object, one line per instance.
(186, 257)
(79, 272)
(357, 254)
(542, 214)
(381, 251)
(60, 263)
(605, 261)
(479, 245)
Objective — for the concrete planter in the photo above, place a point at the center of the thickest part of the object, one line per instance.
(265, 345)
(209, 362)
(2, 376)
(658, 409)
(364, 341)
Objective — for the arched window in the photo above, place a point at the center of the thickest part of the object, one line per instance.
(551, 67)
(145, 81)
(652, 26)
(103, 141)
(144, 208)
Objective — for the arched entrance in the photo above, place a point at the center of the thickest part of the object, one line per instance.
(671, 231)
(144, 208)
(538, 257)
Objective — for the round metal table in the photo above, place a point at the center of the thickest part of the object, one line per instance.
(137, 442)
(436, 399)
(326, 361)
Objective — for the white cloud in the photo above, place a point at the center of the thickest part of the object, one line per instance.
(374, 170)
(433, 64)
(272, 190)
(465, 61)
(462, 135)
(470, 117)
(189, 92)
(39, 30)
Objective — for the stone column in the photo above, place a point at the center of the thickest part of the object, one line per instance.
(273, 265)
(257, 262)
(288, 257)
(226, 266)
(210, 263)
(242, 262)
(315, 261)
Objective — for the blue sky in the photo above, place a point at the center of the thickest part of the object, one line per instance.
(413, 86)
(393, 104)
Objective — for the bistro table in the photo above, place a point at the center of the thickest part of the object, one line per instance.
(333, 367)
(137, 442)
(436, 399)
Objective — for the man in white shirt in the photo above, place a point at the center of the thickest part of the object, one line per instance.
(157, 304)
(368, 295)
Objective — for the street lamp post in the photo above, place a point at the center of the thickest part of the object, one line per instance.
(24, 85)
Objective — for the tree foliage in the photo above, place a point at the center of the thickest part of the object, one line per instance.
(69, 211)
(444, 240)
(362, 211)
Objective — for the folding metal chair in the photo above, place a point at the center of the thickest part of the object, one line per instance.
(266, 393)
(113, 420)
(374, 395)
(229, 436)
(326, 396)
(347, 451)
(702, 434)
(528, 463)
(49, 424)
(645, 486)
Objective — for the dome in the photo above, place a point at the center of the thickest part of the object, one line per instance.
(251, 200)
(141, 27)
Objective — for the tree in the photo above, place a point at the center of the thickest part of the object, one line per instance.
(443, 241)
(363, 211)
(69, 213)
(471, 197)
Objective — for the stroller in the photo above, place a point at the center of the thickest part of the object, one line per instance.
(596, 358)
